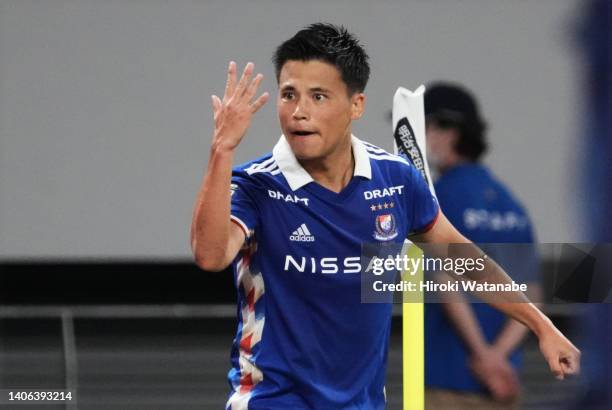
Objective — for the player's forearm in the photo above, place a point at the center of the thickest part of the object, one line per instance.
(513, 303)
(513, 333)
(529, 315)
(210, 227)
(462, 317)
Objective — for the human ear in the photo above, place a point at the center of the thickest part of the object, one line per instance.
(358, 101)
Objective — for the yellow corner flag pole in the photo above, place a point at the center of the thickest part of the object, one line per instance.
(413, 341)
(409, 141)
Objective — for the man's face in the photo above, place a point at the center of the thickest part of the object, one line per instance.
(314, 108)
(440, 145)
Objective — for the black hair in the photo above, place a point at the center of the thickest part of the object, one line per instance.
(331, 44)
(472, 143)
(452, 106)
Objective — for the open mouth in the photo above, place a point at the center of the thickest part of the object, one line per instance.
(302, 133)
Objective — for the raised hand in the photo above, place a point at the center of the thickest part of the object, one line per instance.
(233, 113)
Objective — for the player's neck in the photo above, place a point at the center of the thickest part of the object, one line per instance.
(335, 171)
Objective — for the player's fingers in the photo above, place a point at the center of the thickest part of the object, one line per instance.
(565, 367)
(555, 367)
(216, 103)
(231, 81)
(571, 364)
(576, 365)
(244, 80)
(258, 103)
(252, 88)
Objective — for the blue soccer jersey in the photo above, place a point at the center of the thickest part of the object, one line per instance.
(304, 339)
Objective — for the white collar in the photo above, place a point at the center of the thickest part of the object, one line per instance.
(297, 176)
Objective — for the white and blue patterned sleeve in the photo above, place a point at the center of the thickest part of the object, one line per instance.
(425, 208)
(244, 211)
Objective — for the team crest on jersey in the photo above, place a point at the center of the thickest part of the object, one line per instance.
(386, 228)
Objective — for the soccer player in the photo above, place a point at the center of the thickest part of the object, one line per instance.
(292, 226)
(472, 353)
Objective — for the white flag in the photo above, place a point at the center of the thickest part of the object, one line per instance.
(409, 129)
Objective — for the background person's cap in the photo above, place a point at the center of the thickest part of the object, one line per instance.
(451, 102)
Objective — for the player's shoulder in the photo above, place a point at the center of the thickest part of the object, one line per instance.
(380, 157)
(263, 165)
(387, 166)
(262, 172)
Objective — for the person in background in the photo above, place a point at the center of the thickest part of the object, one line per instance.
(472, 351)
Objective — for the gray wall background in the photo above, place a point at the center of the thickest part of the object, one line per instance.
(105, 116)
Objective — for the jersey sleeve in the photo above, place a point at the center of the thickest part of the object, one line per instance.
(424, 205)
(244, 211)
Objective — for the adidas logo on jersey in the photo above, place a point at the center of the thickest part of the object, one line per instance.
(302, 234)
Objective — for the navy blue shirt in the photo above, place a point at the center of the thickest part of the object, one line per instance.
(304, 339)
(485, 212)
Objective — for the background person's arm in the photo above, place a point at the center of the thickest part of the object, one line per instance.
(492, 356)
(215, 240)
(562, 356)
(488, 364)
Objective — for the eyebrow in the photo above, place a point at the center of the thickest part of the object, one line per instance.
(313, 89)
(320, 90)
